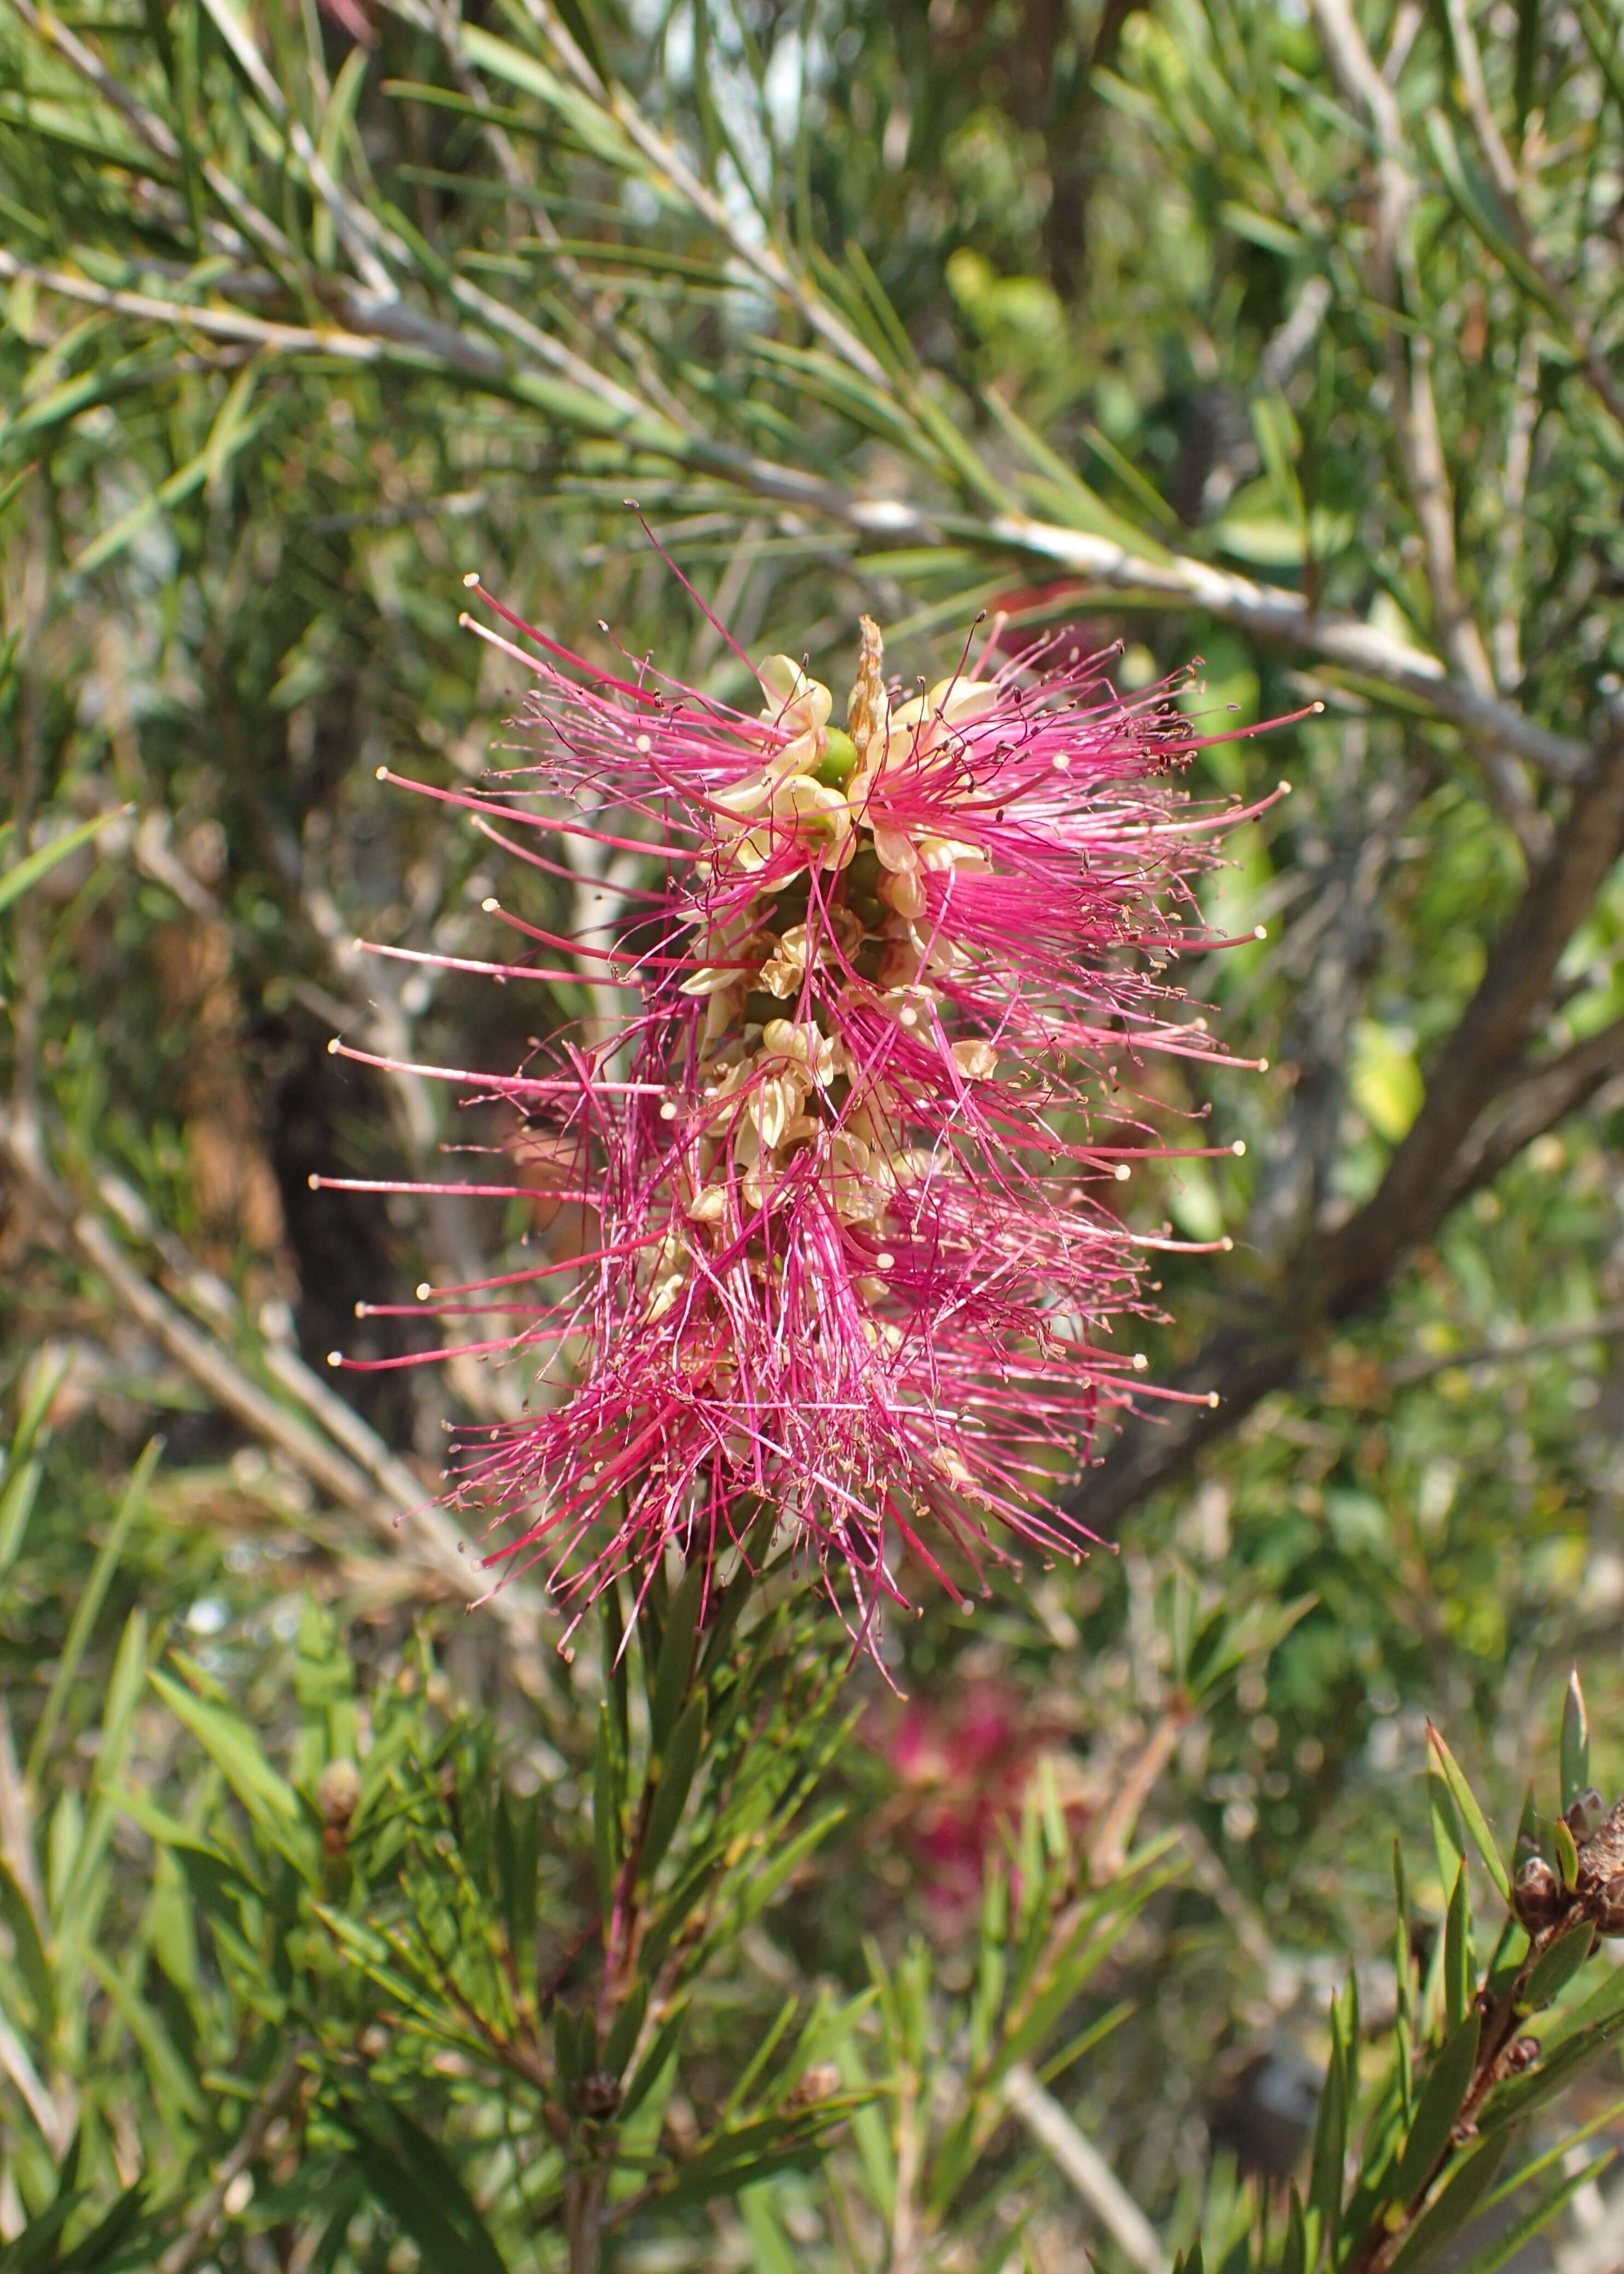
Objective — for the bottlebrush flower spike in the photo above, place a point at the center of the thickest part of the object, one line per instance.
(853, 1257)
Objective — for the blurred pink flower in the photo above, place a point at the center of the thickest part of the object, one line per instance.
(965, 1760)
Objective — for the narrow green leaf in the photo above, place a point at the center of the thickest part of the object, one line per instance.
(411, 2175)
(1555, 1966)
(765, 1882)
(1511, 2241)
(1556, 2153)
(1448, 1839)
(1469, 2184)
(1566, 1855)
(1472, 1815)
(121, 2238)
(31, 2251)
(1476, 201)
(1293, 2251)
(24, 875)
(669, 1685)
(232, 1746)
(655, 2061)
(606, 1807)
(1603, 40)
(18, 1914)
(1458, 1957)
(118, 533)
(761, 2054)
(171, 2077)
(612, 1627)
(1440, 2104)
(1603, 2006)
(89, 1604)
(1073, 500)
(1574, 2041)
(1575, 1743)
(1325, 2186)
(771, 2252)
(624, 2029)
(675, 1773)
(518, 1852)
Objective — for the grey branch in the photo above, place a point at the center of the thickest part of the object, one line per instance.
(363, 1476)
(1485, 1100)
(1086, 2169)
(194, 2240)
(1603, 1326)
(364, 330)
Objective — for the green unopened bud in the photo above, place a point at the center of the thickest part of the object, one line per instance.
(839, 758)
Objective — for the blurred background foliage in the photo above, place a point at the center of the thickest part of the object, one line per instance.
(1284, 338)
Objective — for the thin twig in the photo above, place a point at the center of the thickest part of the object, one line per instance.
(1108, 1843)
(364, 1478)
(1392, 284)
(1602, 1326)
(194, 2240)
(1594, 361)
(1080, 2161)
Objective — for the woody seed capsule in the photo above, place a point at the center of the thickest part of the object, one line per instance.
(1584, 1818)
(1609, 1906)
(600, 2093)
(1536, 1895)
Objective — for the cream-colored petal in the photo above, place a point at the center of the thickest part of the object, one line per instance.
(781, 679)
(905, 893)
(957, 702)
(896, 850)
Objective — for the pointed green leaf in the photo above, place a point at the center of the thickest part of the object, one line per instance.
(1512, 2240)
(88, 1607)
(1329, 2152)
(676, 1778)
(1465, 2190)
(606, 1807)
(1555, 1966)
(672, 1669)
(1458, 1957)
(654, 2062)
(269, 1799)
(771, 2251)
(1440, 2104)
(624, 2031)
(1476, 199)
(24, 875)
(1294, 2252)
(1575, 1743)
(18, 1914)
(1566, 1855)
(1559, 2151)
(413, 2178)
(1472, 1815)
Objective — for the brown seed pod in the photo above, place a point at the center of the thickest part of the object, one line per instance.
(1584, 1818)
(1536, 1895)
(600, 2093)
(1608, 1906)
(1523, 2055)
(818, 2083)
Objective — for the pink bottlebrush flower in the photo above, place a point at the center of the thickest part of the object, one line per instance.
(852, 1256)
